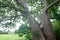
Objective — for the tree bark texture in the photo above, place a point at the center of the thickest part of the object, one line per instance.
(47, 27)
(35, 29)
(45, 20)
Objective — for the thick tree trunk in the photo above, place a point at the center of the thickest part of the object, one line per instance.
(35, 29)
(47, 27)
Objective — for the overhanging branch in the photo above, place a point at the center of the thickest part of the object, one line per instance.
(22, 3)
(57, 1)
(3, 6)
(9, 17)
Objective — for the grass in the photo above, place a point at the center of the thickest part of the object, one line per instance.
(11, 37)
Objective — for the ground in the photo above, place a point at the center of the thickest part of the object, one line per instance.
(11, 37)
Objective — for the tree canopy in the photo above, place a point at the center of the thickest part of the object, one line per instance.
(36, 12)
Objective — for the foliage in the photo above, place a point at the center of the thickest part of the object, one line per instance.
(54, 10)
(37, 34)
(2, 32)
(9, 13)
(24, 30)
(56, 27)
(57, 33)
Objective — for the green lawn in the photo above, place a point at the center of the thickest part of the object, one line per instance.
(11, 37)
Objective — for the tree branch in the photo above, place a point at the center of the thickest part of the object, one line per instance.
(9, 17)
(54, 18)
(13, 8)
(57, 1)
(22, 3)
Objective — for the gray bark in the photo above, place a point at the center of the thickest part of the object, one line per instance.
(47, 27)
(35, 29)
(45, 20)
